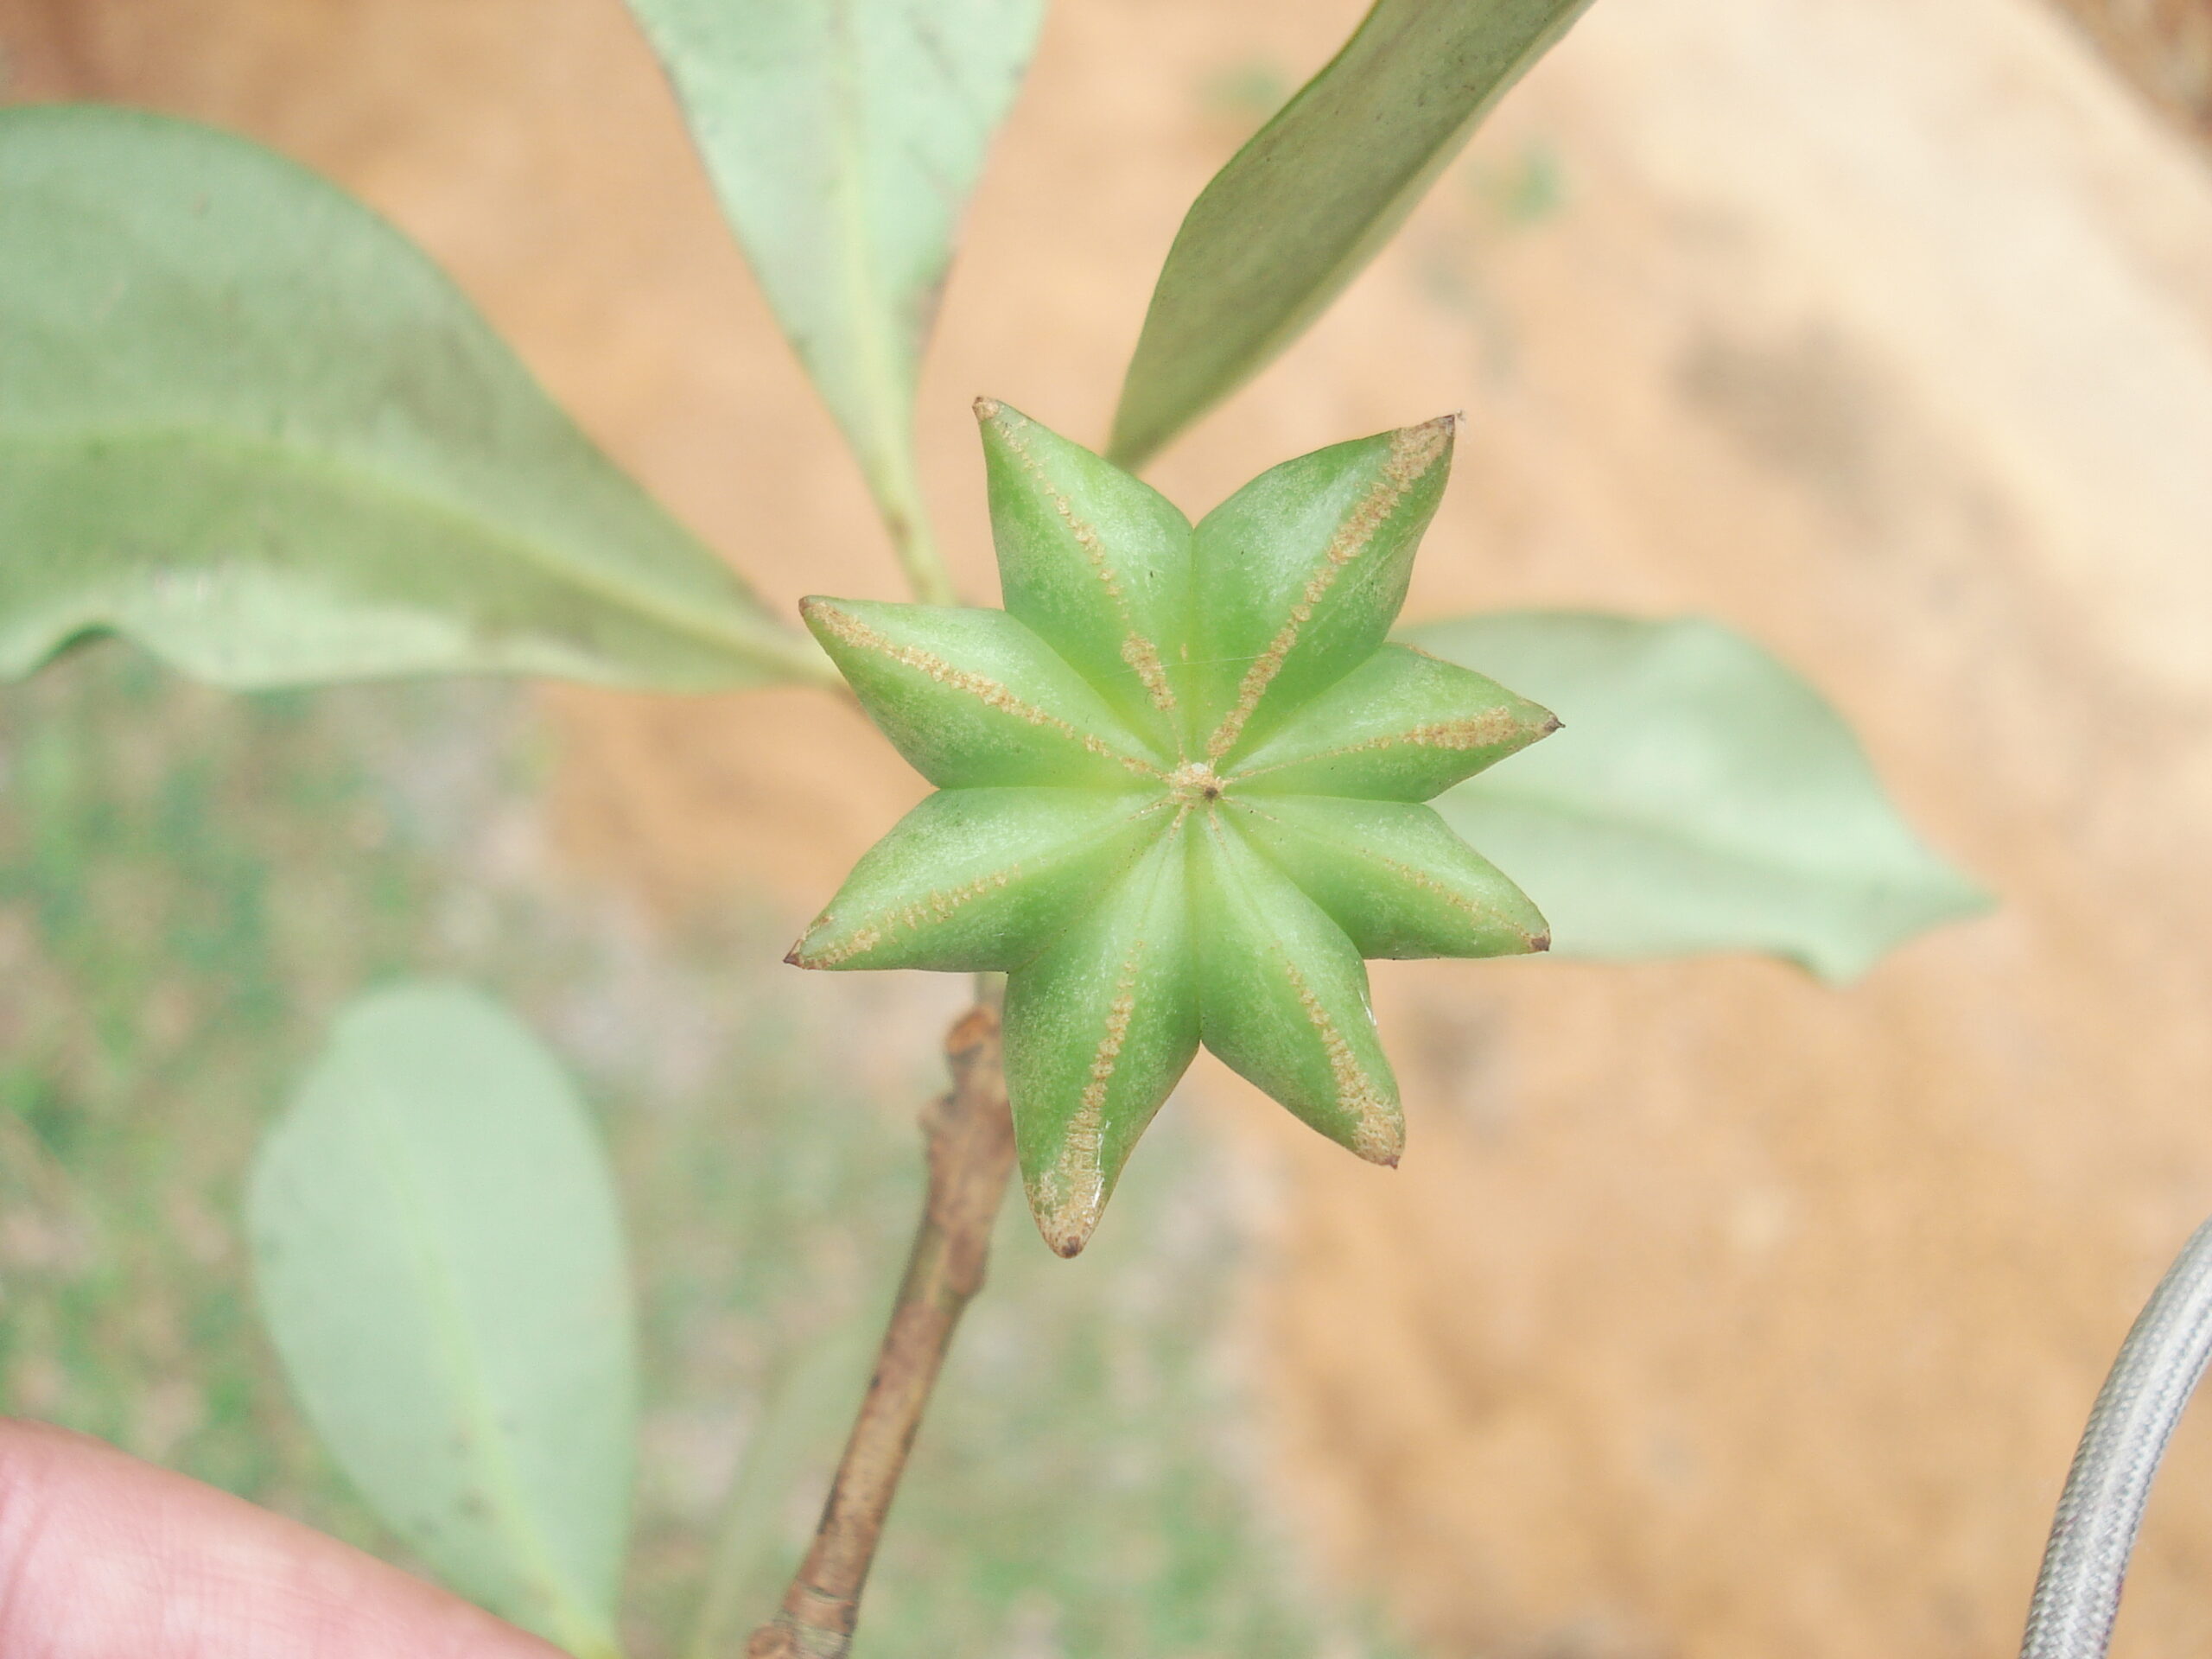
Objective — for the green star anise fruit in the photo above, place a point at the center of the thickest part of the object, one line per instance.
(1179, 780)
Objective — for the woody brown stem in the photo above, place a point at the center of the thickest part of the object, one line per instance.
(970, 1140)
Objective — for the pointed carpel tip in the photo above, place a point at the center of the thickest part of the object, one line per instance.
(1539, 943)
(1415, 450)
(1066, 1234)
(1381, 1143)
(793, 958)
(1064, 1225)
(986, 408)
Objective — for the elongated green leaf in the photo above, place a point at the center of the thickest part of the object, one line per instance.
(245, 423)
(440, 1263)
(1302, 208)
(1699, 797)
(843, 137)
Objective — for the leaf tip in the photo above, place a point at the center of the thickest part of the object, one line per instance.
(987, 409)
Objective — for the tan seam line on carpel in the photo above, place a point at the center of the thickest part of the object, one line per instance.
(855, 633)
(1078, 1173)
(1413, 450)
(1476, 732)
(1378, 1135)
(1069, 1197)
(934, 907)
(1474, 911)
(1143, 659)
(1141, 654)
(1374, 1139)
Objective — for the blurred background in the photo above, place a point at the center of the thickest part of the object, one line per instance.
(1713, 1313)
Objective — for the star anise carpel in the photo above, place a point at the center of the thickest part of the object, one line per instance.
(1180, 779)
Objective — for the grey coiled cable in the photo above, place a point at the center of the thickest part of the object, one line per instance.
(2077, 1593)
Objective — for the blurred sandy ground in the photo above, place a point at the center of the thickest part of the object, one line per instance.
(1713, 1313)
(2164, 45)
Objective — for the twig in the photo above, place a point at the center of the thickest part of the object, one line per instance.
(969, 1135)
(897, 492)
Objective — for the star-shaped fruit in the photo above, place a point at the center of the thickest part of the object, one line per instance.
(1179, 780)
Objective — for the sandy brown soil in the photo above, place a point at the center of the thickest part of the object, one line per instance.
(1713, 1313)
(2164, 45)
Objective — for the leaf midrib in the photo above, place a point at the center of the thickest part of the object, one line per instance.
(866, 313)
(1658, 829)
(763, 644)
(580, 1629)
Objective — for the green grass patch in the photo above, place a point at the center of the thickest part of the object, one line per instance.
(191, 883)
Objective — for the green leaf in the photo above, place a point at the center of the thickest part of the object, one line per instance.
(1699, 797)
(1302, 208)
(843, 137)
(247, 424)
(440, 1263)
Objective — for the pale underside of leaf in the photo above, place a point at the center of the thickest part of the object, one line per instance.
(228, 391)
(440, 1261)
(1702, 797)
(249, 564)
(843, 138)
(1302, 207)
